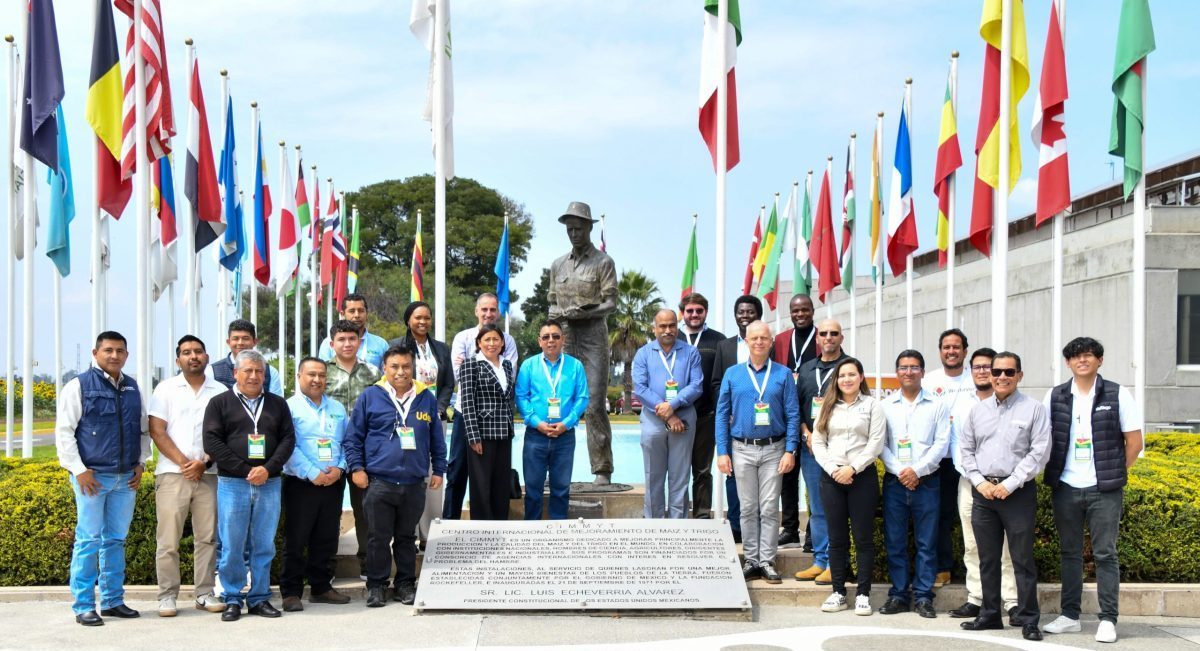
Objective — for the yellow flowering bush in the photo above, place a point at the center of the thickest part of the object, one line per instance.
(44, 398)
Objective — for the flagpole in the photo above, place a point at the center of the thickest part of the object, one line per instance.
(439, 184)
(27, 300)
(10, 338)
(908, 260)
(877, 256)
(98, 295)
(297, 308)
(222, 271)
(141, 191)
(315, 231)
(1000, 223)
(1056, 282)
(332, 275)
(776, 288)
(950, 210)
(1139, 265)
(850, 251)
(282, 298)
(253, 235)
(187, 231)
(722, 160)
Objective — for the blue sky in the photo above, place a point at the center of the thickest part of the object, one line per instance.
(596, 101)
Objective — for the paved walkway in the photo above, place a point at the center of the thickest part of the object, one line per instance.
(49, 625)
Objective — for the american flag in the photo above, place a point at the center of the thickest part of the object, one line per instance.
(160, 120)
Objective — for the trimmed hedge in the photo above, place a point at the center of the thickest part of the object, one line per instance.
(1160, 531)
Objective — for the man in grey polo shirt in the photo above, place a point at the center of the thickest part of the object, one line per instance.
(1005, 444)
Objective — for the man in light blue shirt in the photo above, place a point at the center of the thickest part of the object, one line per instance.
(371, 347)
(668, 379)
(313, 485)
(918, 435)
(552, 394)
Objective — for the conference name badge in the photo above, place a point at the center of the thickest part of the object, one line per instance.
(904, 449)
(324, 449)
(1083, 449)
(408, 439)
(762, 414)
(672, 390)
(814, 411)
(256, 446)
(553, 409)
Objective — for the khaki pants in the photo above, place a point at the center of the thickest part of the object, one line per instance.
(1008, 581)
(176, 497)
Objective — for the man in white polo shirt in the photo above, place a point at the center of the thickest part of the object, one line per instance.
(184, 480)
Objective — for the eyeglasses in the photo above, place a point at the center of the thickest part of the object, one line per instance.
(551, 337)
(694, 310)
(829, 333)
(909, 369)
(978, 368)
(1006, 372)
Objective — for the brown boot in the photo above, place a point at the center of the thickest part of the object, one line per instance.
(330, 596)
(292, 604)
(824, 578)
(942, 579)
(809, 574)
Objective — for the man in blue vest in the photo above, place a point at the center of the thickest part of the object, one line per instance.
(242, 336)
(1095, 437)
(101, 437)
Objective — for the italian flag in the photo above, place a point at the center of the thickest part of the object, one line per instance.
(711, 69)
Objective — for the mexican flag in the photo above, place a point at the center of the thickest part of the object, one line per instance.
(711, 70)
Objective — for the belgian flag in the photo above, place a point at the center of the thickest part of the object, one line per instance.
(105, 95)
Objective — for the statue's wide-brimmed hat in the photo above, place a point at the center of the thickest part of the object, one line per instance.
(577, 210)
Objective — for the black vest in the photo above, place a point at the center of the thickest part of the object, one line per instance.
(1108, 442)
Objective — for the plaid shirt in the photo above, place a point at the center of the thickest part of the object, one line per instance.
(345, 387)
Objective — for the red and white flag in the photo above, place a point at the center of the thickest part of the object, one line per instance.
(1054, 179)
(200, 173)
(710, 76)
(160, 119)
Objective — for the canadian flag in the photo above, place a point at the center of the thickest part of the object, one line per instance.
(1054, 180)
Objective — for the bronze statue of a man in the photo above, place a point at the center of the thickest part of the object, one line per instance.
(583, 290)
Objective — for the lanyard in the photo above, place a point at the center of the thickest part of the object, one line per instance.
(754, 379)
(402, 407)
(425, 351)
(821, 381)
(670, 367)
(319, 413)
(557, 377)
(688, 336)
(255, 413)
(796, 356)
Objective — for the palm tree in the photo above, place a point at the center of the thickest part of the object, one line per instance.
(631, 325)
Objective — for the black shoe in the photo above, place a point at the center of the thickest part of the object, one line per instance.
(122, 611)
(979, 624)
(1031, 632)
(769, 574)
(264, 609)
(925, 609)
(789, 538)
(232, 613)
(750, 570)
(375, 598)
(966, 611)
(1012, 617)
(90, 618)
(893, 606)
(406, 593)
(807, 548)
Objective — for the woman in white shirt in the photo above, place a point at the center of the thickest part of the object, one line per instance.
(847, 439)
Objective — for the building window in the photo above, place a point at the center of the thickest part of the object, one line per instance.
(1188, 330)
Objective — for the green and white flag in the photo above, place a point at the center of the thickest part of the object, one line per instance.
(690, 266)
(802, 270)
(1135, 40)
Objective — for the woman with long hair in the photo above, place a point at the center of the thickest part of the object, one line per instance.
(847, 439)
(431, 361)
(486, 385)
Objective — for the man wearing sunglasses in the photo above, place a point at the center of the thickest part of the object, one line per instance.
(693, 310)
(794, 347)
(1005, 444)
(980, 366)
(552, 394)
(813, 379)
(949, 384)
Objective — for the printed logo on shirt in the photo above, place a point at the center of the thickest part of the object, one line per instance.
(424, 415)
(1104, 408)
(939, 391)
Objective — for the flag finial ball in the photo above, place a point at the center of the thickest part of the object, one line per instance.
(253, 104)
(282, 143)
(853, 135)
(908, 80)
(224, 72)
(8, 38)
(187, 41)
(328, 179)
(881, 114)
(954, 54)
(297, 147)
(829, 158)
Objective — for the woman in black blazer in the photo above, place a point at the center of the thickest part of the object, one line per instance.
(486, 385)
(431, 358)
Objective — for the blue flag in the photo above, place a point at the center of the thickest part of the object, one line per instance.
(233, 246)
(62, 205)
(44, 88)
(501, 271)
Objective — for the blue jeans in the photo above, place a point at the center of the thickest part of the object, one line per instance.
(543, 455)
(818, 526)
(734, 504)
(102, 522)
(246, 514)
(922, 508)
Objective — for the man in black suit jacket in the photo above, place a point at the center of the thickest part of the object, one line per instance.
(730, 352)
(693, 312)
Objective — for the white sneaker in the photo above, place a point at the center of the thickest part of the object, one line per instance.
(209, 603)
(862, 605)
(166, 607)
(1107, 632)
(834, 603)
(1063, 624)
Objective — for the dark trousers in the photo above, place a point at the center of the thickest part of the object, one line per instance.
(544, 456)
(1101, 512)
(393, 511)
(992, 521)
(920, 507)
(312, 520)
(490, 475)
(948, 515)
(703, 450)
(851, 507)
(790, 494)
(456, 470)
(734, 504)
(361, 526)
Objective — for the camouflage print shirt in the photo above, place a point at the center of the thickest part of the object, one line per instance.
(345, 387)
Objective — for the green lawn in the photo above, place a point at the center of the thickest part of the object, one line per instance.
(40, 425)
